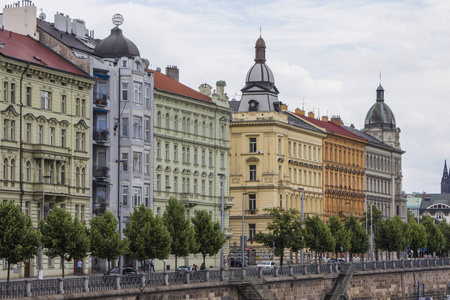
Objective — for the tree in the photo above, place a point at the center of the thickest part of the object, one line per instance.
(180, 229)
(285, 231)
(435, 238)
(445, 229)
(341, 235)
(418, 236)
(18, 239)
(147, 236)
(63, 237)
(208, 234)
(375, 220)
(318, 237)
(359, 238)
(105, 238)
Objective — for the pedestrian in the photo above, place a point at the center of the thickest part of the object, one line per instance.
(80, 266)
(202, 267)
(152, 265)
(147, 265)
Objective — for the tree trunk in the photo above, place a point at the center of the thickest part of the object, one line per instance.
(62, 262)
(281, 259)
(109, 266)
(9, 266)
(176, 262)
(204, 258)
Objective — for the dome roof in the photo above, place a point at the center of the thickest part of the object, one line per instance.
(260, 72)
(116, 45)
(380, 115)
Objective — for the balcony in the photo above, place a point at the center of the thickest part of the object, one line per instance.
(101, 136)
(100, 99)
(101, 172)
(228, 232)
(251, 212)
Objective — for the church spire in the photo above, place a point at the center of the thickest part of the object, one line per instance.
(260, 51)
(445, 182)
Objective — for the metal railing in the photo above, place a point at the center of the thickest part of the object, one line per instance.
(28, 288)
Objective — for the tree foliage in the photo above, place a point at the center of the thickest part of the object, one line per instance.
(64, 237)
(445, 229)
(341, 235)
(18, 239)
(105, 238)
(208, 234)
(359, 239)
(147, 236)
(180, 229)
(435, 238)
(318, 236)
(285, 231)
(375, 220)
(418, 236)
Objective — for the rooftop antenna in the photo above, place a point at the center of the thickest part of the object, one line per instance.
(303, 105)
(380, 77)
(260, 30)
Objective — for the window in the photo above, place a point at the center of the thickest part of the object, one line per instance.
(183, 125)
(124, 63)
(137, 196)
(147, 196)
(39, 172)
(222, 160)
(252, 202)
(175, 123)
(147, 129)
(251, 231)
(195, 127)
(46, 100)
(28, 100)
(203, 187)
(13, 93)
(52, 136)
(12, 128)
(175, 184)
(124, 91)
(63, 175)
(252, 172)
(63, 137)
(195, 186)
(210, 188)
(158, 182)
(222, 132)
(203, 128)
(83, 107)
(158, 150)
(188, 185)
(188, 154)
(167, 121)
(147, 162)
(195, 156)
(39, 211)
(137, 93)
(188, 125)
(279, 145)
(147, 95)
(125, 195)
(27, 208)
(167, 151)
(211, 130)
(125, 127)
(28, 171)
(203, 157)
(82, 213)
(137, 158)
(13, 170)
(183, 185)
(137, 128)
(5, 91)
(158, 119)
(77, 106)
(9, 129)
(40, 130)
(175, 152)
(183, 154)
(125, 161)
(252, 145)
(210, 158)
(167, 183)
(28, 133)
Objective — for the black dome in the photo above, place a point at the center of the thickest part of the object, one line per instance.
(116, 45)
(380, 115)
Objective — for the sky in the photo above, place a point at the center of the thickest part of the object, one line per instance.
(326, 57)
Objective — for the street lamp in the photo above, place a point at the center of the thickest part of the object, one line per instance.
(222, 215)
(303, 226)
(120, 196)
(42, 218)
(243, 241)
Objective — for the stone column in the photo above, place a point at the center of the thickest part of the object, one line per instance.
(61, 286)
(28, 288)
(118, 282)
(86, 283)
(142, 280)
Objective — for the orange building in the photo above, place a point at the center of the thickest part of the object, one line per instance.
(343, 168)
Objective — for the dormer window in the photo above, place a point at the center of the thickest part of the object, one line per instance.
(124, 63)
(253, 105)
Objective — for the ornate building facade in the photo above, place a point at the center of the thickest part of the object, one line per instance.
(45, 142)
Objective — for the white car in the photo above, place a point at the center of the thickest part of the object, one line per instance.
(266, 265)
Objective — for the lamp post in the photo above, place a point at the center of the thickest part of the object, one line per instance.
(42, 218)
(371, 234)
(303, 226)
(222, 215)
(120, 196)
(243, 232)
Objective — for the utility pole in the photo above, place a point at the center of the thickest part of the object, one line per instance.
(222, 219)
(302, 259)
(243, 232)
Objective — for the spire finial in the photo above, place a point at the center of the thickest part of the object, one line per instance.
(380, 77)
(260, 30)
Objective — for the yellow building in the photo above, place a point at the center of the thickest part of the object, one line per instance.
(274, 155)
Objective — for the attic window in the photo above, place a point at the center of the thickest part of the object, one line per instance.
(63, 83)
(9, 70)
(28, 75)
(80, 88)
(52, 80)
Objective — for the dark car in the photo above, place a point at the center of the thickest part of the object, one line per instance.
(184, 269)
(125, 271)
(235, 262)
(334, 260)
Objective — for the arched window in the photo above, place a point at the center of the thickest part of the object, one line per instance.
(5, 169)
(13, 169)
(204, 128)
(188, 125)
(211, 130)
(158, 119)
(77, 177)
(167, 121)
(183, 125)
(83, 177)
(175, 123)
(50, 171)
(39, 172)
(63, 175)
(28, 171)
(222, 132)
(195, 127)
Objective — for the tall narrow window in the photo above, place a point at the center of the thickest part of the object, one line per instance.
(125, 195)
(158, 182)
(147, 196)
(125, 161)
(147, 92)
(13, 93)
(175, 123)
(167, 121)
(251, 231)
(252, 172)
(147, 162)
(158, 150)
(222, 160)
(147, 129)
(77, 106)
(63, 175)
(40, 130)
(137, 128)
(188, 125)
(13, 170)
(137, 158)
(175, 153)
(46, 100)
(158, 119)
(124, 91)
(12, 130)
(167, 151)
(52, 136)
(83, 107)
(5, 128)
(195, 156)
(63, 103)
(5, 91)
(210, 159)
(125, 127)
(252, 146)
(137, 93)
(5, 169)
(222, 132)
(28, 100)
(252, 202)
(195, 127)
(63, 137)
(28, 171)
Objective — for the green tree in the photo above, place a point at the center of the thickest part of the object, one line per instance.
(63, 237)
(341, 235)
(208, 234)
(375, 220)
(105, 238)
(359, 238)
(318, 237)
(18, 239)
(285, 231)
(147, 236)
(394, 235)
(445, 229)
(418, 236)
(180, 229)
(435, 238)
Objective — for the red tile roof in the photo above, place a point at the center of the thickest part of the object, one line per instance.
(25, 48)
(332, 128)
(167, 84)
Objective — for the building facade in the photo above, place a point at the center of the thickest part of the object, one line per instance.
(45, 143)
(192, 151)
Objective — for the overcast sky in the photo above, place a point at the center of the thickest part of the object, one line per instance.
(326, 56)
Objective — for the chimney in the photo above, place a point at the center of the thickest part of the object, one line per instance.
(79, 28)
(352, 125)
(62, 23)
(311, 114)
(336, 120)
(173, 72)
(298, 111)
(205, 89)
(325, 118)
(284, 107)
(220, 88)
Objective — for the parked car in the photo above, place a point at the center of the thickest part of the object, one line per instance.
(334, 260)
(235, 262)
(184, 269)
(266, 265)
(125, 271)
